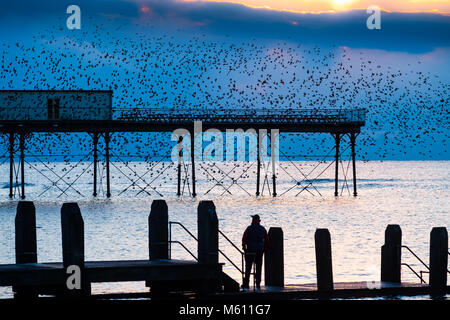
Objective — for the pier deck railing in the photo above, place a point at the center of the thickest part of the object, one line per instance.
(174, 115)
(310, 116)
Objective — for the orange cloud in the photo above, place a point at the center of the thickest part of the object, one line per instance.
(319, 6)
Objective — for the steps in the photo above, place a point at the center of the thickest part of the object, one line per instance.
(228, 284)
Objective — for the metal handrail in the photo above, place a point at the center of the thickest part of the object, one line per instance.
(419, 276)
(241, 270)
(406, 247)
(185, 229)
(195, 238)
(231, 242)
(185, 248)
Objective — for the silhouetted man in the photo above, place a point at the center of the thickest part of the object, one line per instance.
(254, 242)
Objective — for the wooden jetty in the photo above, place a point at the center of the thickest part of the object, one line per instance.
(29, 278)
(54, 273)
(203, 276)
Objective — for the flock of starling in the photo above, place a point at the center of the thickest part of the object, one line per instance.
(407, 110)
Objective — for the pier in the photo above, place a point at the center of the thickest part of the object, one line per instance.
(26, 112)
(202, 276)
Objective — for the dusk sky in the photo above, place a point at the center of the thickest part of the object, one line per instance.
(248, 54)
(442, 6)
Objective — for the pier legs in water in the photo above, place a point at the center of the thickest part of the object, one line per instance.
(95, 143)
(22, 164)
(194, 194)
(337, 139)
(108, 182)
(11, 164)
(273, 145)
(353, 142)
(258, 163)
(95, 139)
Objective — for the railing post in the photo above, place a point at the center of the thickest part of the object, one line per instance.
(438, 260)
(324, 266)
(72, 229)
(208, 234)
(274, 259)
(391, 254)
(158, 232)
(26, 246)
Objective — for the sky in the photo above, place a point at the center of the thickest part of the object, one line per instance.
(208, 54)
(317, 6)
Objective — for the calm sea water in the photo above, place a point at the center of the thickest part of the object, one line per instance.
(411, 194)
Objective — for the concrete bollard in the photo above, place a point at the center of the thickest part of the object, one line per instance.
(72, 228)
(26, 244)
(274, 259)
(438, 260)
(158, 236)
(324, 266)
(391, 253)
(208, 234)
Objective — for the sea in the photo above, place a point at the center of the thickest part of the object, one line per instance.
(412, 194)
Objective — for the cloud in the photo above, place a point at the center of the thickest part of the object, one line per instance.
(400, 31)
(411, 32)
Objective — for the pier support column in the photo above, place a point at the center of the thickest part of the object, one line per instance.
(180, 140)
(22, 164)
(391, 254)
(258, 163)
(337, 140)
(324, 266)
(26, 245)
(274, 259)
(438, 260)
(95, 142)
(72, 230)
(158, 231)
(273, 145)
(353, 142)
(108, 180)
(11, 164)
(194, 194)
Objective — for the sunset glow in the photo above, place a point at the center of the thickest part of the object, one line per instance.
(317, 6)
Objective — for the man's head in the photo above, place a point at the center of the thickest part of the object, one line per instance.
(256, 218)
